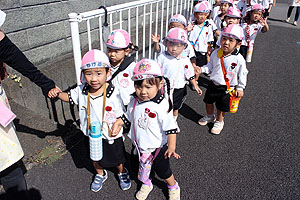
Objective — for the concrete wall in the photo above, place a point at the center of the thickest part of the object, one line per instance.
(40, 28)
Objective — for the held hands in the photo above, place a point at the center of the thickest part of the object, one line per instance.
(171, 152)
(239, 93)
(197, 70)
(54, 92)
(155, 38)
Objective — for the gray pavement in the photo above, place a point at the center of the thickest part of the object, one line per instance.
(255, 157)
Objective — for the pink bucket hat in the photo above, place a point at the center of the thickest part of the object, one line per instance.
(233, 12)
(204, 6)
(257, 7)
(230, 2)
(178, 18)
(177, 35)
(233, 31)
(118, 39)
(146, 68)
(94, 59)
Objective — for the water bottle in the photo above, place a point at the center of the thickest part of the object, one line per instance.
(96, 146)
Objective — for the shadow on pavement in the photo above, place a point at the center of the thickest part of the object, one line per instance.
(189, 113)
(12, 194)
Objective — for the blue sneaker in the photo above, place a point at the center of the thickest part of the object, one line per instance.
(124, 178)
(98, 181)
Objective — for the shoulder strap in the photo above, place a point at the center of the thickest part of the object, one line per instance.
(225, 73)
(126, 62)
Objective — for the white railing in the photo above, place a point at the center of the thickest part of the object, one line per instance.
(135, 17)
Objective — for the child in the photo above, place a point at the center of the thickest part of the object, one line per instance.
(176, 21)
(153, 128)
(176, 68)
(233, 16)
(219, 20)
(216, 9)
(235, 70)
(99, 102)
(254, 23)
(119, 48)
(201, 37)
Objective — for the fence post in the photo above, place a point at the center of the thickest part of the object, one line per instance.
(74, 19)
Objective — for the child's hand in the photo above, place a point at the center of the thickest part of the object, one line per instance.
(263, 21)
(190, 27)
(155, 38)
(116, 128)
(197, 70)
(239, 93)
(54, 92)
(171, 152)
(198, 90)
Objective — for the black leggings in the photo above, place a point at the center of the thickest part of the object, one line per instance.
(12, 179)
(297, 12)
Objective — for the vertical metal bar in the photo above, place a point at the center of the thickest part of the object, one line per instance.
(129, 22)
(144, 30)
(76, 44)
(172, 9)
(156, 24)
(162, 19)
(185, 10)
(137, 31)
(89, 34)
(110, 22)
(167, 17)
(191, 10)
(120, 17)
(150, 30)
(180, 10)
(100, 34)
(176, 7)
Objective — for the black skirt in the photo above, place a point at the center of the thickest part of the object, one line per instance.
(113, 154)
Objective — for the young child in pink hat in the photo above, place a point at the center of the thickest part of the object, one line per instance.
(219, 20)
(235, 71)
(253, 24)
(153, 129)
(202, 36)
(99, 101)
(177, 68)
(119, 51)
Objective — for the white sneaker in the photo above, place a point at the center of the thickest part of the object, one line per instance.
(206, 119)
(287, 20)
(218, 127)
(295, 23)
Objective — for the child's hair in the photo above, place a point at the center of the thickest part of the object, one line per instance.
(156, 81)
(132, 47)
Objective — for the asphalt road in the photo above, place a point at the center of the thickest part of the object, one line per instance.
(257, 155)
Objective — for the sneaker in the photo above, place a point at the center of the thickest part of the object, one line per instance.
(98, 181)
(206, 119)
(287, 20)
(143, 193)
(124, 178)
(174, 194)
(218, 126)
(295, 23)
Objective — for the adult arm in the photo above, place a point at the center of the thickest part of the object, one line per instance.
(11, 55)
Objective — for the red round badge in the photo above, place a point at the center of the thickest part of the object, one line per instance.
(108, 108)
(186, 66)
(233, 64)
(152, 115)
(125, 75)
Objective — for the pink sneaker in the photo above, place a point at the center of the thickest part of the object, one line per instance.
(218, 127)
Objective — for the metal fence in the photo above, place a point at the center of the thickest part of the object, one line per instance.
(139, 18)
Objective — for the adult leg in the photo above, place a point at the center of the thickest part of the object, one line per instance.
(297, 13)
(290, 11)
